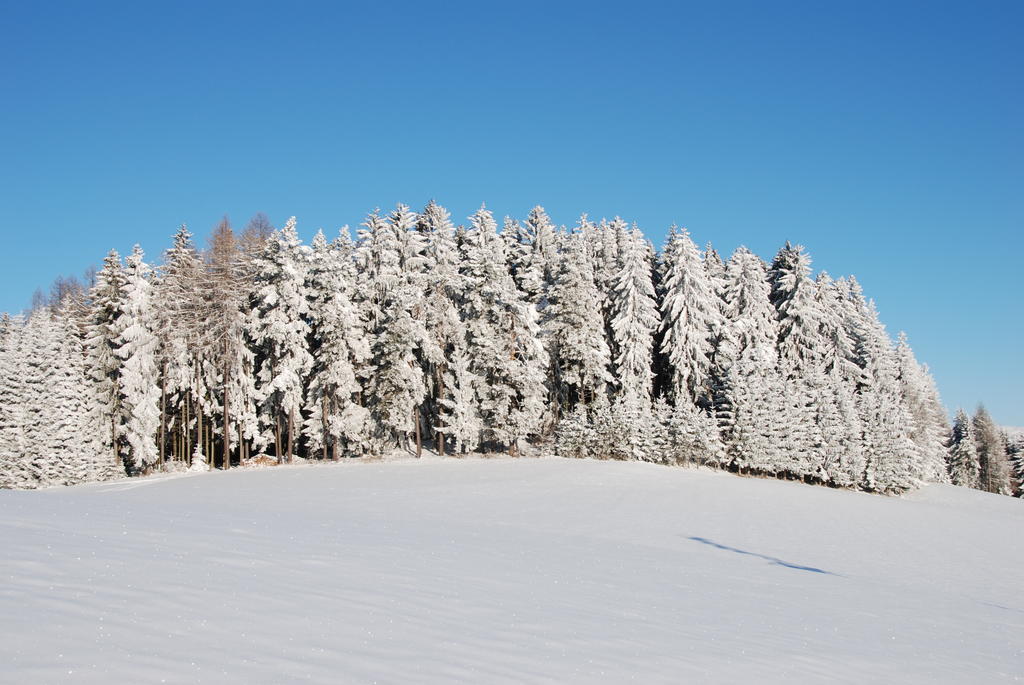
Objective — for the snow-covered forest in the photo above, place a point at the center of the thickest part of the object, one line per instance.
(419, 334)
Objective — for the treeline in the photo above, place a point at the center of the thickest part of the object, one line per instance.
(421, 334)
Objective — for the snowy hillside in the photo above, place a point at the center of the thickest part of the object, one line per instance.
(501, 571)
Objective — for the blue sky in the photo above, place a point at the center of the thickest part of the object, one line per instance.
(886, 137)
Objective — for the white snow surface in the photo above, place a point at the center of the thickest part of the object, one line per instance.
(506, 571)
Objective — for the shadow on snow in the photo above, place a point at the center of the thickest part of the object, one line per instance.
(774, 560)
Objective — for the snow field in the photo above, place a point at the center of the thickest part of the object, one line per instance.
(502, 571)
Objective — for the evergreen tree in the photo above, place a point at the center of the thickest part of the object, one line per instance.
(930, 427)
(579, 352)
(690, 313)
(444, 342)
(68, 399)
(893, 463)
(799, 319)
(104, 365)
(335, 420)
(279, 328)
(392, 261)
(994, 475)
(139, 386)
(964, 468)
(633, 322)
(38, 462)
(504, 349)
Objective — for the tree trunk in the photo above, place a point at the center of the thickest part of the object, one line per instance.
(419, 437)
(113, 438)
(186, 435)
(211, 452)
(440, 393)
(227, 412)
(291, 433)
(200, 434)
(337, 439)
(163, 416)
(277, 440)
(323, 417)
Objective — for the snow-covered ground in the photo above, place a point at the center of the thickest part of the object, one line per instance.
(506, 571)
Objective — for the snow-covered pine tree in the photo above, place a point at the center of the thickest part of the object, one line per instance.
(793, 295)
(445, 338)
(458, 417)
(13, 471)
(757, 424)
(840, 430)
(633, 322)
(279, 329)
(838, 352)
(800, 346)
(994, 473)
(504, 349)
(891, 457)
(575, 327)
(139, 382)
(930, 427)
(336, 422)
(103, 365)
(688, 435)
(574, 438)
(392, 263)
(689, 313)
(526, 269)
(69, 394)
(545, 243)
(964, 468)
(11, 402)
(39, 463)
(714, 267)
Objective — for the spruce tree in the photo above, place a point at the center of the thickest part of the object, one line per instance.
(964, 468)
(994, 473)
(279, 328)
(929, 425)
(392, 261)
(690, 313)
(505, 352)
(633, 322)
(103, 364)
(579, 352)
(335, 420)
(136, 348)
(444, 342)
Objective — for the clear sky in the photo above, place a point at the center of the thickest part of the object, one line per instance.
(885, 136)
